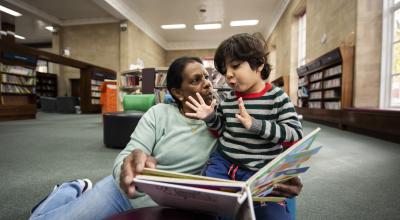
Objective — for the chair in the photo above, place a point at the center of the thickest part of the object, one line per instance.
(118, 126)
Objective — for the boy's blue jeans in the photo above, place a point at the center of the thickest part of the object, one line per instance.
(218, 167)
(68, 202)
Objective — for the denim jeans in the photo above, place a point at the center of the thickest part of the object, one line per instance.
(68, 202)
(218, 167)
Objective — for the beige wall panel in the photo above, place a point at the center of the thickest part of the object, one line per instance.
(173, 54)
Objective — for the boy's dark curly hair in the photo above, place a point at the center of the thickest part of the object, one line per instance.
(243, 47)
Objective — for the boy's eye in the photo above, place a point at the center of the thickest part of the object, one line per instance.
(235, 65)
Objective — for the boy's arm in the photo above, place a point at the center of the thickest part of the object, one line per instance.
(287, 128)
(216, 121)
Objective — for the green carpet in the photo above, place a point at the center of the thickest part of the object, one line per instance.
(353, 177)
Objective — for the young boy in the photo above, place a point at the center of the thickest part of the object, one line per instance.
(254, 119)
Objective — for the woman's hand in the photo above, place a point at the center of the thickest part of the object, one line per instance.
(132, 165)
(200, 108)
(289, 189)
(243, 116)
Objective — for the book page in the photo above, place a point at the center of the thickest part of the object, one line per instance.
(281, 162)
(192, 198)
(204, 184)
(163, 173)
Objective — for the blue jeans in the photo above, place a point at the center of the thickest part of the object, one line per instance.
(68, 202)
(218, 167)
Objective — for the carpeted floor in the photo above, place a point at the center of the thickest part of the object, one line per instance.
(353, 177)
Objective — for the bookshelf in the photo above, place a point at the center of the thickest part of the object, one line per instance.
(17, 85)
(91, 80)
(282, 82)
(325, 85)
(46, 84)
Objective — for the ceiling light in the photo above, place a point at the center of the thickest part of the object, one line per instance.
(9, 11)
(173, 26)
(244, 23)
(51, 28)
(19, 37)
(207, 26)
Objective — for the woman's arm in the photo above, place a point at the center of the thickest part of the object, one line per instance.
(132, 165)
(136, 154)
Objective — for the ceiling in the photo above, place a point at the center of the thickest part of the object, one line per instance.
(148, 15)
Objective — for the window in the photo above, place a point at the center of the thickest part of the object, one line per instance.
(301, 54)
(390, 73)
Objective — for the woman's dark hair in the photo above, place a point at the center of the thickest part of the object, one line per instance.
(243, 47)
(175, 74)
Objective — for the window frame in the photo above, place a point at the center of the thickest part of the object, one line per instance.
(389, 9)
(301, 39)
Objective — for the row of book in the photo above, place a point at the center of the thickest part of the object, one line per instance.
(316, 95)
(96, 82)
(162, 96)
(17, 80)
(45, 81)
(95, 88)
(95, 101)
(332, 83)
(332, 93)
(17, 89)
(45, 87)
(332, 105)
(316, 76)
(96, 94)
(161, 79)
(47, 94)
(17, 70)
(315, 86)
(131, 80)
(303, 81)
(333, 71)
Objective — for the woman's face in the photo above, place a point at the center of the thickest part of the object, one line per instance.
(195, 79)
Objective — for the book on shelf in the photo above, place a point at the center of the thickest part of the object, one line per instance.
(228, 198)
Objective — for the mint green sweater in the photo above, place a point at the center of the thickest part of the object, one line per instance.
(178, 143)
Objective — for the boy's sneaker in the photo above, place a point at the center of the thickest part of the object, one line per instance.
(86, 184)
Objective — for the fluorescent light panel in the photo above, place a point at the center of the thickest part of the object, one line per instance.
(244, 23)
(19, 37)
(173, 26)
(207, 26)
(9, 11)
(50, 28)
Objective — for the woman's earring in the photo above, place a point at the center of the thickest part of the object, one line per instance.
(180, 99)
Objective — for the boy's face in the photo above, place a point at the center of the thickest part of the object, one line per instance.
(242, 78)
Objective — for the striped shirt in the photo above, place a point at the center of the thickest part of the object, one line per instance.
(274, 121)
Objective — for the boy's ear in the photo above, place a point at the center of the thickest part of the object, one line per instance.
(177, 93)
(259, 69)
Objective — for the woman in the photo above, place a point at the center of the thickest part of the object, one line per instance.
(164, 138)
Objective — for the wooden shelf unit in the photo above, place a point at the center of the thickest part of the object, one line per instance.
(91, 80)
(17, 85)
(46, 84)
(326, 85)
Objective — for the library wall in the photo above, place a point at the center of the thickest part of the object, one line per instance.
(173, 54)
(136, 44)
(97, 44)
(368, 54)
(334, 18)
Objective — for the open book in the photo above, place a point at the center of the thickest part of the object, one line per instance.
(221, 197)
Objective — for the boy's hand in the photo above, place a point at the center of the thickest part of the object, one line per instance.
(243, 116)
(201, 110)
